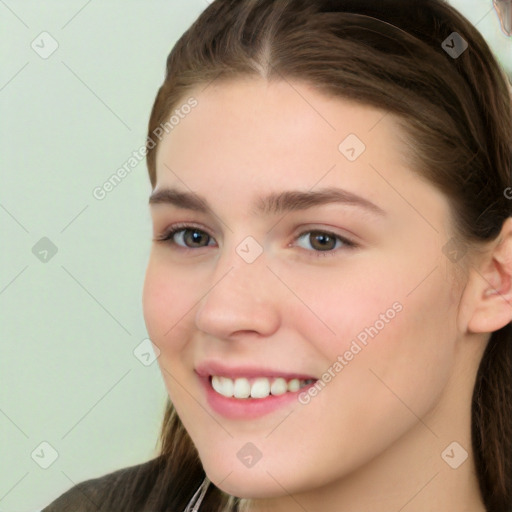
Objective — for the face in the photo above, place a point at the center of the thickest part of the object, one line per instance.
(338, 285)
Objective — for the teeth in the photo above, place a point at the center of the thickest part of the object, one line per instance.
(241, 388)
(261, 387)
(223, 386)
(294, 385)
(279, 387)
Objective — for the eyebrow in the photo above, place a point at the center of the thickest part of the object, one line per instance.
(272, 204)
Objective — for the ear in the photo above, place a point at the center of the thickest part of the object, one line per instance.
(489, 288)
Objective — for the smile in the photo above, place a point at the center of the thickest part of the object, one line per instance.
(259, 387)
(243, 392)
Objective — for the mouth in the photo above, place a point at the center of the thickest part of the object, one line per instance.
(244, 392)
(245, 388)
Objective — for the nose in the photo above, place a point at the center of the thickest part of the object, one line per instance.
(241, 298)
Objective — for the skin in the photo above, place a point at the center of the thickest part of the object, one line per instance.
(373, 437)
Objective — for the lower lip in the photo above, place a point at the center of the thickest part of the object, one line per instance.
(248, 408)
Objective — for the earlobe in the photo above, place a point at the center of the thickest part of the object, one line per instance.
(491, 287)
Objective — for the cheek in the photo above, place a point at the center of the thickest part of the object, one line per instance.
(407, 346)
(154, 301)
(165, 302)
(339, 306)
(382, 331)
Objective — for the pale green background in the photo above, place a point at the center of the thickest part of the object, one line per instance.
(69, 326)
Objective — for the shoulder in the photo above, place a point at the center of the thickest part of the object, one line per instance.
(98, 494)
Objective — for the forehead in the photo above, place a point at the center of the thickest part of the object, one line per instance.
(275, 113)
(253, 121)
(245, 136)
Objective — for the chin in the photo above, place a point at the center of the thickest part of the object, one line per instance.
(249, 487)
(260, 481)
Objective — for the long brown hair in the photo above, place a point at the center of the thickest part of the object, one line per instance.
(456, 112)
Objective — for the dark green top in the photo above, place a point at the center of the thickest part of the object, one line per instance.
(133, 488)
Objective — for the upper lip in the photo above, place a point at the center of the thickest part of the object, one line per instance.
(208, 368)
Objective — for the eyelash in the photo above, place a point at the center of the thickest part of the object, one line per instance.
(167, 237)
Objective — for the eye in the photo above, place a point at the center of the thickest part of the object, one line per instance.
(321, 243)
(324, 242)
(186, 236)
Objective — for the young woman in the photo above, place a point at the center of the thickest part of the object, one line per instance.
(329, 284)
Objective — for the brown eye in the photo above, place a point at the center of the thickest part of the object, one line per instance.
(187, 237)
(324, 242)
(194, 237)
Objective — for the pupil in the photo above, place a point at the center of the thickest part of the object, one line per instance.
(195, 236)
(324, 240)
